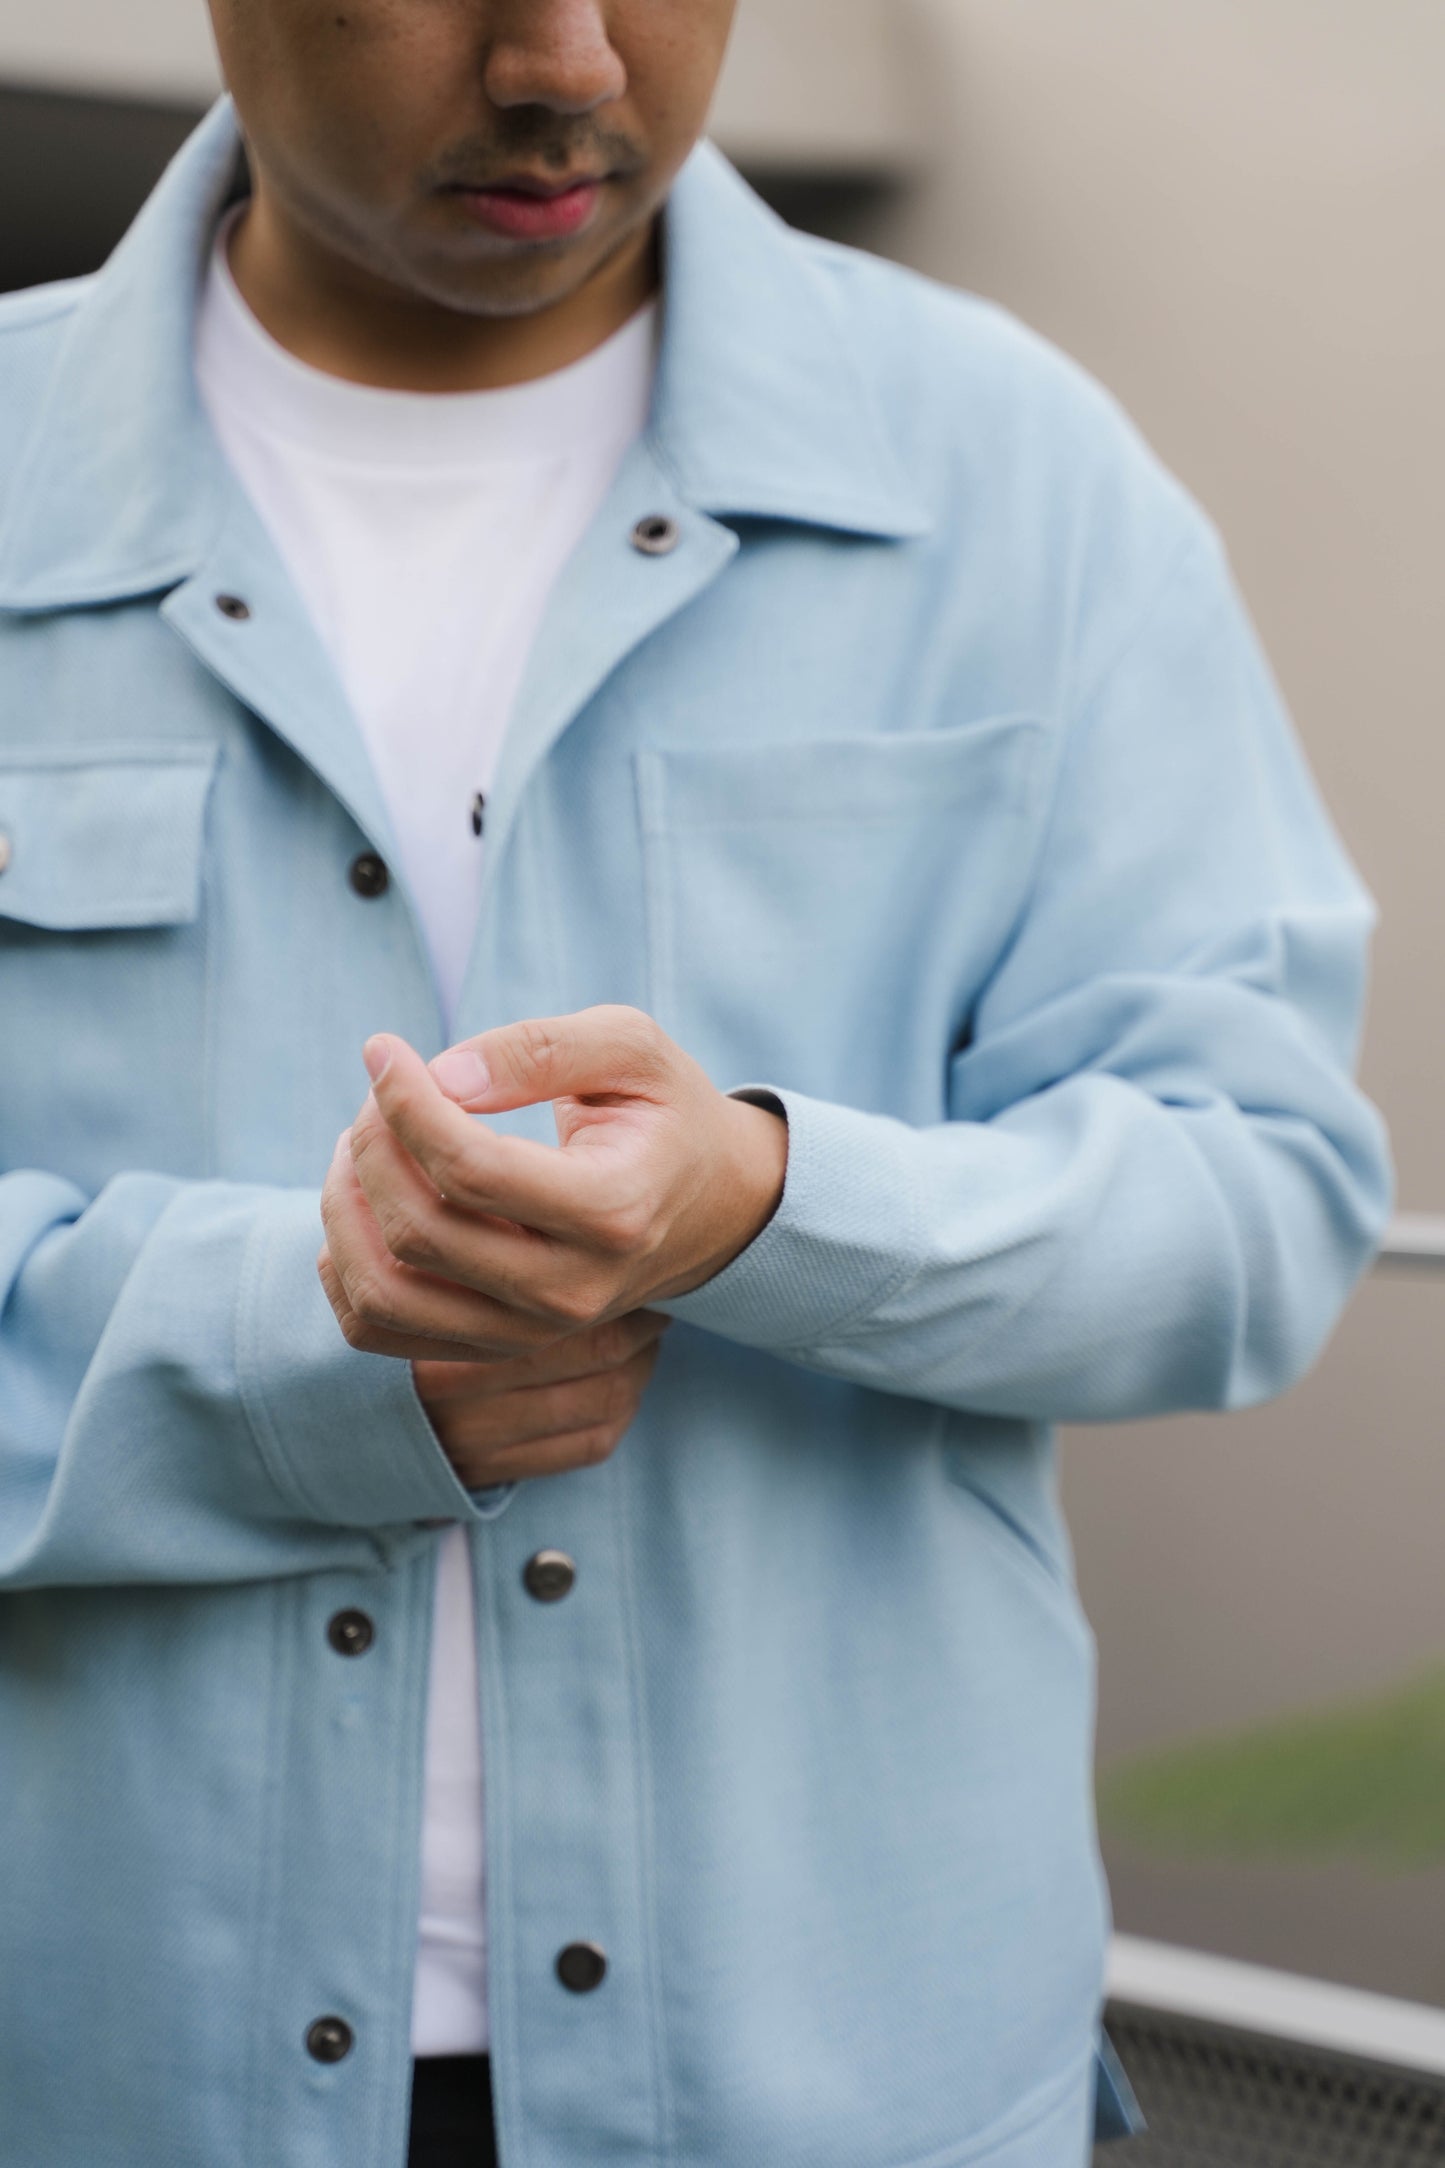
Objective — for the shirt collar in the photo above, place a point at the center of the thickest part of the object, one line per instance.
(760, 407)
(761, 404)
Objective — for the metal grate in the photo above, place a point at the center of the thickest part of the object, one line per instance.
(1216, 2097)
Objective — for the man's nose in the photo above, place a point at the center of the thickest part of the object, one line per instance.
(553, 53)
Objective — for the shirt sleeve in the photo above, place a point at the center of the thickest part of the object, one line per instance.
(1158, 1181)
(177, 1401)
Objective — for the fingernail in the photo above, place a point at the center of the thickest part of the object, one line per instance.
(377, 1055)
(461, 1073)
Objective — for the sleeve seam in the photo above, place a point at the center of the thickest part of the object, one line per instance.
(1197, 541)
(1069, 724)
(1079, 706)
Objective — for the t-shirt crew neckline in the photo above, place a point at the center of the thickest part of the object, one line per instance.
(600, 398)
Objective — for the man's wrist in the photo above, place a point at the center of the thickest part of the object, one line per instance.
(763, 1160)
(745, 1194)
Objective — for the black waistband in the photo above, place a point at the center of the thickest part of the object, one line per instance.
(451, 2108)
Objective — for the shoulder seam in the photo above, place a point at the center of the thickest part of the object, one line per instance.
(1068, 721)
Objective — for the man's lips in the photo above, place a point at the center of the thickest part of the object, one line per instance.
(525, 209)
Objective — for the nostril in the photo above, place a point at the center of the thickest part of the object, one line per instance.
(573, 70)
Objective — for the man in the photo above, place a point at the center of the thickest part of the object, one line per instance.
(468, 576)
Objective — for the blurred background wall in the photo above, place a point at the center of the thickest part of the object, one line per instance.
(1233, 211)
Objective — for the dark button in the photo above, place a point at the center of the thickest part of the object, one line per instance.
(656, 535)
(329, 2039)
(549, 1576)
(581, 1966)
(351, 1633)
(369, 876)
(233, 606)
(479, 807)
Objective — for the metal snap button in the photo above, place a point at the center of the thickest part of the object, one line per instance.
(549, 1576)
(329, 2039)
(351, 1633)
(580, 1966)
(369, 875)
(232, 606)
(656, 535)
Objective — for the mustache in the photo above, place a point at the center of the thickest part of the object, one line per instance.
(530, 136)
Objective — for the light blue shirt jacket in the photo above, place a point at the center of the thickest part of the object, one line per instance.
(933, 783)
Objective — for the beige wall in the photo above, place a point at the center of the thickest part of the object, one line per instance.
(121, 48)
(1233, 211)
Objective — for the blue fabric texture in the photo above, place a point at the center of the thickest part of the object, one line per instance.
(934, 786)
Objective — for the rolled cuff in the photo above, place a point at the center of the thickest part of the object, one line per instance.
(343, 1433)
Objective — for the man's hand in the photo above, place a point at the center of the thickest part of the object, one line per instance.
(568, 1407)
(447, 1242)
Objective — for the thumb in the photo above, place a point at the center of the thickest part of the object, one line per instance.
(607, 1049)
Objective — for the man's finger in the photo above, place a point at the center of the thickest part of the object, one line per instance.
(515, 1266)
(385, 1299)
(583, 1355)
(604, 1049)
(543, 1457)
(549, 1411)
(415, 1348)
(512, 1178)
(417, 1223)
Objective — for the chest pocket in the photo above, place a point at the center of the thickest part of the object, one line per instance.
(102, 957)
(820, 914)
(89, 844)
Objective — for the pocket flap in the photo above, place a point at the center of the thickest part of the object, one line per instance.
(87, 842)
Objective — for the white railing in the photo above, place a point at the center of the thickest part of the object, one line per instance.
(1276, 2005)
(1415, 1238)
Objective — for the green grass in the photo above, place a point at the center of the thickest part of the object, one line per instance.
(1365, 1778)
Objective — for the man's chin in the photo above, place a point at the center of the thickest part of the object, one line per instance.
(519, 280)
(511, 298)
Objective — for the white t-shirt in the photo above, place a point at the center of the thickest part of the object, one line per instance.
(424, 531)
